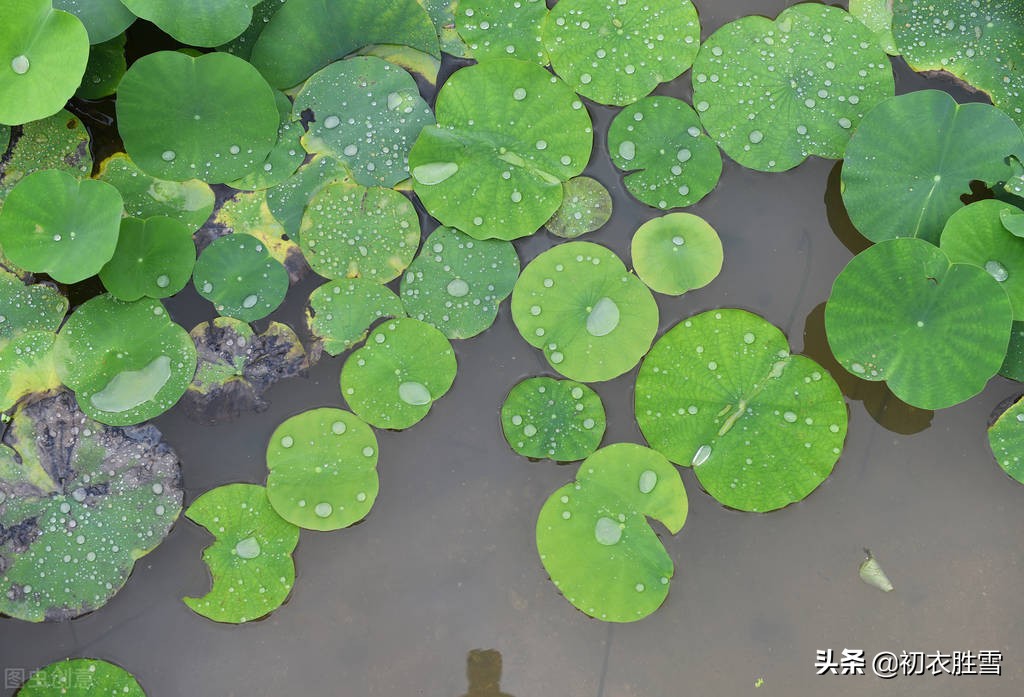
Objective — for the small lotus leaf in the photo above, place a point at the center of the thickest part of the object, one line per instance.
(876, 15)
(107, 65)
(557, 419)
(103, 19)
(82, 677)
(341, 312)
(237, 274)
(197, 22)
(288, 200)
(1006, 438)
(594, 538)
(144, 196)
(251, 559)
(592, 318)
(56, 142)
(502, 29)
(248, 213)
(935, 331)
(676, 253)
(442, 14)
(285, 157)
(153, 258)
(402, 369)
(586, 206)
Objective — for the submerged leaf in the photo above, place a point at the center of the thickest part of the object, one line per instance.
(557, 419)
(82, 677)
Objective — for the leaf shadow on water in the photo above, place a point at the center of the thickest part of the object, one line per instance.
(838, 218)
(483, 672)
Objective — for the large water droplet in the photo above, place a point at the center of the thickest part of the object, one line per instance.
(162, 281)
(627, 150)
(996, 270)
(323, 509)
(169, 155)
(394, 101)
(434, 172)
(457, 288)
(250, 301)
(332, 122)
(607, 531)
(414, 393)
(648, 479)
(130, 388)
(249, 548)
(604, 318)
(701, 456)
(756, 137)
(20, 64)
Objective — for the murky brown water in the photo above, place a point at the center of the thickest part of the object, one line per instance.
(445, 563)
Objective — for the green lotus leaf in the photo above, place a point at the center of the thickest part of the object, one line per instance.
(103, 19)
(107, 65)
(154, 258)
(721, 392)
(197, 22)
(45, 52)
(586, 206)
(351, 230)
(262, 13)
(248, 213)
(1006, 438)
(212, 118)
(876, 15)
(78, 508)
(617, 53)
(670, 161)
(237, 274)
(323, 469)
(28, 307)
(285, 157)
(251, 559)
(54, 223)
(341, 312)
(27, 367)
(190, 202)
(288, 200)
(305, 35)
(502, 29)
(592, 318)
(979, 42)
(411, 60)
(126, 362)
(930, 168)
(676, 253)
(900, 312)
(81, 677)
(773, 93)
(57, 142)
(456, 283)
(594, 538)
(1013, 363)
(402, 369)
(508, 135)
(1013, 220)
(442, 14)
(557, 419)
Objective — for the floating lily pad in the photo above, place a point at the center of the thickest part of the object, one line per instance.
(935, 331)
(251, 559)
(82, 677)
(772, 93)
(57, 142)
(126, 362)
(341, 312)
(442, 14)
(197, 22)
(592, 318)
(676, 253)
(107, 65)
(103, 19)
(1006, 438)
(586, 206)
(508, 135)
(153, 258)
(237, 274)
(902, 180)
(402, 369)
(502, 29)
(248, 213)
(212, 118)
(594, 538)
(323, 469)
(457, 283)
(144, 196)
(876, 15)
(616, 53)
(287, 201)
(285, 157)
(557, 419)
(51, 222)
(78, 507)
(670, 161)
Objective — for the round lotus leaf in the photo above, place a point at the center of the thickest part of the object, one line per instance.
(212, 118)
(1006, 438)
(57, 142)
(305, 35)
(1013, 363)
(144, 196)
(902, 180)
(153, 258)
(103, 19)
(349, 230)
(557, 419)
(43, 54)
(721, 392)
(126, 362)
(323, 469)
(250, 560)
(586, 206)
(594, 538)
(876, 15)
(772, 93)
(616, 53)
(197, 22)
(442, 14)
(366, 113)
(404, 367)
(508, 135)
(107, 65)
(237, 274)
(935, 331)
(341, 312)
(78, 507)
(54, 223)
(285, 157)
(248, 213)
(592, 318)
(456, 283)
(670, 162)
(676, 253)
(287, 201)
(501, 29)
(82, 677)
(28, 307)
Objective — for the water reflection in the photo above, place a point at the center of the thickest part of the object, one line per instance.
(483, 671)
(838, 218)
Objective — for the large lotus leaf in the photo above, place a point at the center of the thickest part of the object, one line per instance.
(616, 53)
(721, 392)
(144, 196)
(502, 29)
(442, 14)
(78, 507)
(154, 258)
(676, 253)
(592, 318)
(287, 201)
(977, 40)
(456, 283)
(508, 135)
(57, 142)
(935, 331)
(586, 206)
(126, 362)
(1006, 438)
(402, 369)
(341, 312)
(197, 22)
(876, 15)
(251, 559)
(82, 677)
(594, 538)
(103, 19)
(557, 419)
(54, 223)
(107, 65)
(323, 469)
(772, 93)
(237, 274)
(902, 180)
(248, 213)
(305, 35)
(212, 117)
(285, 157)
(670, 161)
(45, 52)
